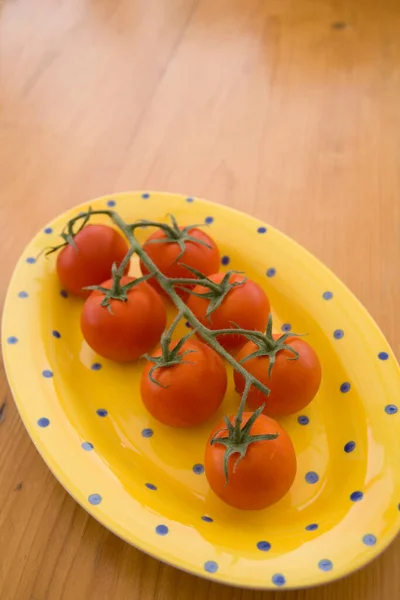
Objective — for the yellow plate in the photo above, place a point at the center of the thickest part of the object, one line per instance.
(145, 481)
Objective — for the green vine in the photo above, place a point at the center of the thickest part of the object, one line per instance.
(169, 357)
(238, 438)
(68, 233)
(173, 234)
(217, 292)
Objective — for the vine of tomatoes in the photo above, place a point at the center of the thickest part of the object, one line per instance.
(250, 461)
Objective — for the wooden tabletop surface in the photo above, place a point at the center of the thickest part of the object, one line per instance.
(286, 109)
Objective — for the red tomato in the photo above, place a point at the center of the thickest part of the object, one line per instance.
(130, 328)
(246, 305)
(193, 390)
(98, 247)
(262, 477)
(293, 383)
(166, 256)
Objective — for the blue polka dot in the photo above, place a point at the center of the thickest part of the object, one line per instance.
(345, 387)
(87, 446)
(190, 199)
(278, 580)
(12, 339)
(264, 546)
(56, 334)
(102, 412)
(225, 260)
(47, 373)
(111, 203)
(207, 519)
(311, 527)
(325, 564)
(48, 230)
(398, 506)
(209, 220)
(145, 196)
(271, 272)
(391, 409)
(262, 230)
(151, 486)
(43, 422)
(188, 325)
(64, 293)
(303, 420)
(349, 447)
(30, 260)
(95, 499)
(96, 366)
(198, 469)
(327, 295)
(356, 496)
(286, 327)
(147, 433)
(338, 334)
(369, 539)
(23, 295)
(383, 355)
(162, 530)
(312, 477)
(210, 566)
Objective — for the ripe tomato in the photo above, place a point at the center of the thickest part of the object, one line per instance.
(98, 247)
(262, 477)
(128, 329)
(166, 256)
(246, 305)
(193, 390)
(293, 383)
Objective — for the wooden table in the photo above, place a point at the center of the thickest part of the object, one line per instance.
(287, 109)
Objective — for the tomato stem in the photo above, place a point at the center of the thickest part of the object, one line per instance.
(169, 356)
(173, 234)
(268, 346)
(238, 439)
(217, 292)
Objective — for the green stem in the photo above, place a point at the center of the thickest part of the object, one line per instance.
(167, 335)
(239, 414)
(238, 331)
(177, 281)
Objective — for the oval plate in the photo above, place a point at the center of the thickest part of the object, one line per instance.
(145, 481)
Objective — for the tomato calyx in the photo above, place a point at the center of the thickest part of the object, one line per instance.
(268, 346)
(238, 438)
(169, 356)
(217, 292)
(68, 234)
(174, 234)
(117, 290)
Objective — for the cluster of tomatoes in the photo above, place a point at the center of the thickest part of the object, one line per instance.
(249, 461)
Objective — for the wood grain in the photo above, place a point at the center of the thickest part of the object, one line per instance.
(287, 109)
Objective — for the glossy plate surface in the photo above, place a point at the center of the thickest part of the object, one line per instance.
(145, 482)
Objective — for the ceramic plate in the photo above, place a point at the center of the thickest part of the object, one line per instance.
(146, 482)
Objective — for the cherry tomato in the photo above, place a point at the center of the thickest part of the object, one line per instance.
(262, 477)
(97, 248)
(293, 383)
(246, 305)
(192, 390)
(166, 256)
(129, 329)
